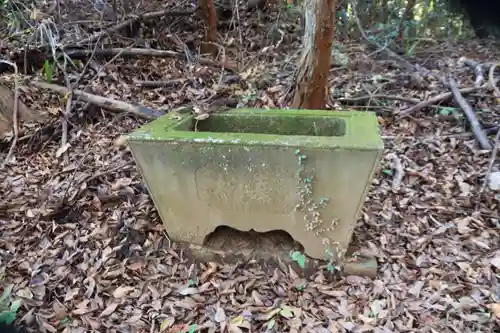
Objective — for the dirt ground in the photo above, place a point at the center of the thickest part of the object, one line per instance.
(84, 249)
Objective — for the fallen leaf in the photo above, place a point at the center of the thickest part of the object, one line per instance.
(109, 309)
(220, 315)
(286, 311)
(188, 291)
(415, 289)
(495, 309)
(122, 291)
(166, 323)
(495, 262)
(62, 150)
(270, 324)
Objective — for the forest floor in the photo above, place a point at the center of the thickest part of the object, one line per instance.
(82, 245)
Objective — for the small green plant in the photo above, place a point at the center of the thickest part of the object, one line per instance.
(192, 329)
(8, 307)
(48, 70)
(299, 258)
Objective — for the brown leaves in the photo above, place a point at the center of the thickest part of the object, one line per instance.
(109, 309)
(122, 291)
(495, 309)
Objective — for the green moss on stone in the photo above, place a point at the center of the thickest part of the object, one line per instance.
(312, 128)
(265, 124)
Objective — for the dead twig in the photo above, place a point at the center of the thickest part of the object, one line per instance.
(377, 96)
(478, 69)
(64, 125)
(399, 172)
(98, 72)
(103, 102)
(160, 84)
(434, 100)
(469, 112)
(131, 21)
(471, 116)
(492, 82)
(64, 121)
(492, 161)
(107, 172)
(134, 52)
(14, 113)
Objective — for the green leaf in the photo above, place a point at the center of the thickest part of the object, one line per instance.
(445, 111)
(7, 317)
(6, 294)
(286, 312)
(271, 323)
(299, 258)
(65, 321)
(300, 287)
(192, 328)
(47, 69)
(387, 172)
(15, 305)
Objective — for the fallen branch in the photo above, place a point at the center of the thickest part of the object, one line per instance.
(469, 112)
(14, 113)
(103, 102)
(478, 69)
(492, 82)
(34, 52)
(471, 116)
(160, 84)
(377, 96)
(134, 52)
(131, 21)
(96, 75)
(436, 99)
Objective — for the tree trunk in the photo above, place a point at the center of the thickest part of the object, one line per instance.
(312, 78)
(209, 12)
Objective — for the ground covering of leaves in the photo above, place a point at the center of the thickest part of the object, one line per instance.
(83, 248)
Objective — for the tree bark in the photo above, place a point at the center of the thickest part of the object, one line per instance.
(312, 78)
(210, 14)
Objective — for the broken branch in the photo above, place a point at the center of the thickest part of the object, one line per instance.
(160, 84)
(492, 83)
(103, 102)
(134, 52)
(471, 116)
(478, 69)
(377, 96)
(436, 99)
(122, 25)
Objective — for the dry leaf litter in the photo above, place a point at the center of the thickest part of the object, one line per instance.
(83, 246)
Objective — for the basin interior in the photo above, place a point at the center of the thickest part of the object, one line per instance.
(267, 124)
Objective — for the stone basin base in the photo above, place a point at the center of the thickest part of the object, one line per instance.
(271, 249)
